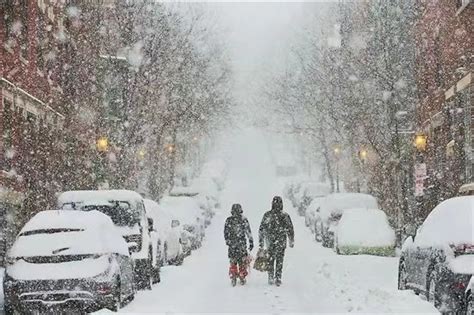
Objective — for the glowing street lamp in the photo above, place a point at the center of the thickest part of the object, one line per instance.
(102, 144)
(420, 142)
(141, 154)
(363, 154)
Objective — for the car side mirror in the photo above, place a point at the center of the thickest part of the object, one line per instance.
(175, 223)
(150, 225)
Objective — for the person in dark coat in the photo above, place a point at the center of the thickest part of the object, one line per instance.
(275, 230)
(236, 232)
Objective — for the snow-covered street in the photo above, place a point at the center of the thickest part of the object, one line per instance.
(315, 279)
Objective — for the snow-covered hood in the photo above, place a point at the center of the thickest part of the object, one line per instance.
(463, 264)
(70, 243)
(85, 268)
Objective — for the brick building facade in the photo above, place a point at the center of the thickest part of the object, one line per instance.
(444, 69)
(31, 118)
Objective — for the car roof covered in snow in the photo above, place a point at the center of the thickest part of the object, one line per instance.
(338, 202)
(98, 196)
(450, 223)
(74, 232)
(199, 186)
(51, 219)
(185, 209)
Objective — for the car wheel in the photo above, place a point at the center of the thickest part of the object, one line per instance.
(469, 303)
(402, 277)
(431, 292)
(149, 275)
(8, 309)
(165, 254)
(116, 302)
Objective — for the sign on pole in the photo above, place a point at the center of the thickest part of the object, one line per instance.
(420, 175)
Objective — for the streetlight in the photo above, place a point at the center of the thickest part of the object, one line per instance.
(420, 142)
(141, 154)
(102, 144)
(170, 148)
(363, 154)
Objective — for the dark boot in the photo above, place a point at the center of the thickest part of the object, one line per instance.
(278, 282)
(270, 279)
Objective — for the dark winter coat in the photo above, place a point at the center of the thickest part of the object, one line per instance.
(236, 232)
(276, 228)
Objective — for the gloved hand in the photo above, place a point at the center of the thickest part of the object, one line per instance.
(292, 243)
(250, 246)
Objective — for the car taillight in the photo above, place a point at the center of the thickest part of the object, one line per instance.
(462, 249)
(104, 289)
(459, 286)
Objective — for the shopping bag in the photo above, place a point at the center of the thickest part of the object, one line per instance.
(261, 261)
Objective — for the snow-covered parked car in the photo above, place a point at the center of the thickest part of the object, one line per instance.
(205, 192)
(308, 192)
(127, 210)
(190, 217)
(68, 259)
(169, 233)
(365, 231)
(439, 260)
(332, 208)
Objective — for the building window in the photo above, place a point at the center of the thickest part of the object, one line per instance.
(8, 18)
(462, 4)
(7, 135)
(42, 41)
(439, 62)
(23, 5)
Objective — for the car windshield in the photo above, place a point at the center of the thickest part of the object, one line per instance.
(56, 259)
(121, 213)
(50, 231)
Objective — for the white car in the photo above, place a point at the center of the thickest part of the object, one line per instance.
(169, 233)
(190, 216)
(205, 192)
(127, 211)
(309, 191)
(438, 262)
(365, 231)
(68, 259)
(332, 208)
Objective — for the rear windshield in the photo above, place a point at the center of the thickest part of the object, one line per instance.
(121, 212)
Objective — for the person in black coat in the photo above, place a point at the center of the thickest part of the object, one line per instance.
(236, 232)
(275, 229)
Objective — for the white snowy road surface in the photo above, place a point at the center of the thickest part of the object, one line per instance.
(315, 279)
